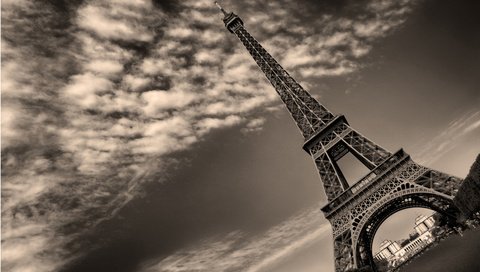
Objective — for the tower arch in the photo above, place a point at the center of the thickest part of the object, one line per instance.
(402, 199)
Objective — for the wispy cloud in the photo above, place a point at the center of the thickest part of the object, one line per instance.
(96, 95)
(333, 43)
(449, 138)
(239, 251)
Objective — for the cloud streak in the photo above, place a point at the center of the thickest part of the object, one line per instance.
(239, 251)
(449, 137)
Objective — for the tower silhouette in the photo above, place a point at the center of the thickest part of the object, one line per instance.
(356, 209)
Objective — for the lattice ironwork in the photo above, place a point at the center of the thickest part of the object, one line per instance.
(341, 223)
(371, 151)
(309, 115)
(355, 211)
(407, 186)
(440, 182)
(329, 176)
(368, 214)
(343, 252)
(406, 200)
(330, 139)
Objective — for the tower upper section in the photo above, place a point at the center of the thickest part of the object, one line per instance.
(231, 20)
(328, 138)
(309, 115)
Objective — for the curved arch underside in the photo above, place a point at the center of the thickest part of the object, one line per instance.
(431, 201)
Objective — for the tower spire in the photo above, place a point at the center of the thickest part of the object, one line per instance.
(220, 8)
(309, 115)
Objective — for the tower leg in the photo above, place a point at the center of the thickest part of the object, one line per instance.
(343, 252)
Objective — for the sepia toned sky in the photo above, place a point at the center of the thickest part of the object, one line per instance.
(140, 135)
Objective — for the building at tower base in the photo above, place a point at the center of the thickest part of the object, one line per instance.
(395, 252)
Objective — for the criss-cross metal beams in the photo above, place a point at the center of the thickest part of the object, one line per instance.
(440, 182)
(332, 146)
(343, 252)
(330, 177)
(368, 149)
(405, 185)
(309, 115)
(364, 256)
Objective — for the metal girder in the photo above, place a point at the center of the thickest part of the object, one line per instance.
(328, 174)
(343, 252)
(368, 149)
(308, 114)
(403, 188)
(364, 242)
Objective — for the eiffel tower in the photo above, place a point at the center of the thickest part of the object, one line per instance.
(355, 211)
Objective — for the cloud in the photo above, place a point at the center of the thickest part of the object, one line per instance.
(448, 138)
(21, 245)
(238, 251)
(104, 67)
(84, 90)
(101, 22)
(280, 253)
(164, 136)
(97, 95)
(159, 101)
(254, 125)
(208, 124)
(137, 83)
(472, 127)
(330, 45)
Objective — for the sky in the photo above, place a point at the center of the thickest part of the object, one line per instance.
(140, 135)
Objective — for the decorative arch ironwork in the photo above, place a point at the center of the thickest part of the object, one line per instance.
(405, 200)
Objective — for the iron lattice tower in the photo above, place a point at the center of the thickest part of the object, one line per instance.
(355, 211)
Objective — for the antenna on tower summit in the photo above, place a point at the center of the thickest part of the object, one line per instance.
(220, 7)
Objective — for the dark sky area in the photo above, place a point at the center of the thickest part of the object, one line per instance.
(416, 87)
